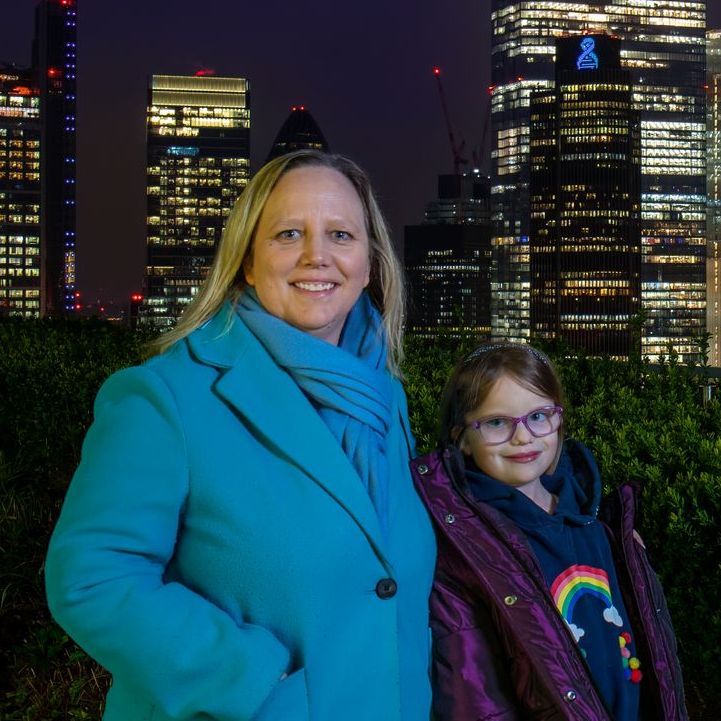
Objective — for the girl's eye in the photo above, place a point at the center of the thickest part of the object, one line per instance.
(495, 423)
(539, 416)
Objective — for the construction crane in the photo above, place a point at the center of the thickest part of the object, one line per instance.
(456, 148)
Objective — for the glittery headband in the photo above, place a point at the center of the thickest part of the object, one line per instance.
(488, 347)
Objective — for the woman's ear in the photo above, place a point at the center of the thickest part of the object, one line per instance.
(247, 269)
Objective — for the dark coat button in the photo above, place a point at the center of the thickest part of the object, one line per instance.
(386, 588)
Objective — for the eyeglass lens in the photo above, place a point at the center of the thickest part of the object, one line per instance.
(540, 422)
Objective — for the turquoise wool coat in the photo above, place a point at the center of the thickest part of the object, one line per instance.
(215, 538)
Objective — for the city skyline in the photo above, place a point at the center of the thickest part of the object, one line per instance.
(364, 73)
(376, 61)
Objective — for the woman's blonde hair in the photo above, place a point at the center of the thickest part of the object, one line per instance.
(226, 279)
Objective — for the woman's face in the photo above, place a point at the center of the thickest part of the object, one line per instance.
(522, 459)
(310, 259)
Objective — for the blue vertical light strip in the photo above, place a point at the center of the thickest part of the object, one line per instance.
(69, 165)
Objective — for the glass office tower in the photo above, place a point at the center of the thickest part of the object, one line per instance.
(713, 218)
(664, 49)
(20, 193)
(300, 131)
(55, 69)
(198, 147)
(448, 260)
(585, 188)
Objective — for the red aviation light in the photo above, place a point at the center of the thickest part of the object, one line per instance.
(55, 73)
(436, 71)
(204, 72)
(21, 90)
(491, 88)
(67, 3)
(136, 297)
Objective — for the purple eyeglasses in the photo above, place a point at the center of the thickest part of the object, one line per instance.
(500, 429)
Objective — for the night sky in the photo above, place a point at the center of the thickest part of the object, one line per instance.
(364, 70)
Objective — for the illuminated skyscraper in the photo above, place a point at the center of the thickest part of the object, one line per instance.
(713, 218)
(54, 65)
(664, 49)
(198, 145)
(585, 189)
(299, 132)
(448, 260)
(19, 195)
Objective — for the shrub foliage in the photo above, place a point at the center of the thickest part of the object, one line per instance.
(647, 424)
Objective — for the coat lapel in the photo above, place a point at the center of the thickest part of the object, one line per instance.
(270, 402)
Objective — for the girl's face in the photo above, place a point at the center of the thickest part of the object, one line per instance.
(522, 459)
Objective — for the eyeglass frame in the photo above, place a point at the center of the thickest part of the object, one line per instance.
(558, 410)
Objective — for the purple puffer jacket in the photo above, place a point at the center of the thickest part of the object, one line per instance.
(501, 650)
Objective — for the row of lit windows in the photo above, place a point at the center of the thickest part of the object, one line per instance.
(569, 211)
(19, 219)
(664, 215)
(19, 250)
(584, 245)
(20, 293)
(199, 165)
(28, 261)
(574, 157)
(571, 91)
(591, 283)
(598, 293)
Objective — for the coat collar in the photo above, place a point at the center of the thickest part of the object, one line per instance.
(270, 402)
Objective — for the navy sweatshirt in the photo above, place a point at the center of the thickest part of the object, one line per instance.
(574, 553)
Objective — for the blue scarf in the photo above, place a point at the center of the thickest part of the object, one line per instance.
(348, 385)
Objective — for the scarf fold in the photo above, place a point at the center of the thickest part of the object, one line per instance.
(348, 384)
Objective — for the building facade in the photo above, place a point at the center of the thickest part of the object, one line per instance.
(55, 70)
(20, 195)
(448, 260)
(713, 217)
(198, 162)
(664, 50)
(585, 194)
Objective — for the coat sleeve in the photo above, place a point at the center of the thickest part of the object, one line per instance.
(471, 679)
(107, 557)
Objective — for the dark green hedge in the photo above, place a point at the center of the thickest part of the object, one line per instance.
(645, 424)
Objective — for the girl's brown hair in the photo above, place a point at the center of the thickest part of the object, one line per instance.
(475, 374)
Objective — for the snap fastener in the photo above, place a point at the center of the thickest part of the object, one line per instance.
(386, 588)
(510, 600)
(422, 468)
(570, 695)
(450, 518)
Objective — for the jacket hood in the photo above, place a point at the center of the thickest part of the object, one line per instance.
(576, 482)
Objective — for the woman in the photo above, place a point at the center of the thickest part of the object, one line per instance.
(242, 539)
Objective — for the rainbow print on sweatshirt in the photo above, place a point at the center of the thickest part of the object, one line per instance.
(576, 582)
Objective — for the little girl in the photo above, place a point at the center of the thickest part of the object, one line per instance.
(544, 605)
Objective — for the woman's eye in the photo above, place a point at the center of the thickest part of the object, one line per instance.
(341, 235)
(290, 234)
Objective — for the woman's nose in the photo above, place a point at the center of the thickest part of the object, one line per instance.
(314, 249)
